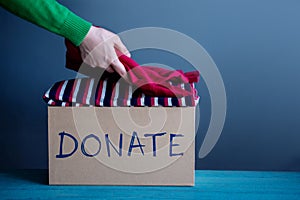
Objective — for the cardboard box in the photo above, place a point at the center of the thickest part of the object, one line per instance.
(121, 145)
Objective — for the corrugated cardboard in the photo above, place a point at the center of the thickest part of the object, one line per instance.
(98, 160)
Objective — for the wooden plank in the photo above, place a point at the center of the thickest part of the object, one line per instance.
(27, 184)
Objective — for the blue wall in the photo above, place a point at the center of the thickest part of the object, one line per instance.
(255, 44)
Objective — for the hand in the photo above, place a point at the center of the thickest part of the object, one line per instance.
(98, 50)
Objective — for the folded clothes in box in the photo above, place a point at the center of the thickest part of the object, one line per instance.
(103, 130)
(107, 92)
(146, 85)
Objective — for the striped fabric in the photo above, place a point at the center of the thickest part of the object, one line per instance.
(110, 93)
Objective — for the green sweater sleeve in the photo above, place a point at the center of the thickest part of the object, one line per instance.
(50, 15)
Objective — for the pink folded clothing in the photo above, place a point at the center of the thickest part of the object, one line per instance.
(151, 81)
(112, 92)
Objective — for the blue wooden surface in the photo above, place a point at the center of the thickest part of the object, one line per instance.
(27, 184)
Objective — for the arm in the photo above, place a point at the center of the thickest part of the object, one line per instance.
(97, 45)
(50, 15)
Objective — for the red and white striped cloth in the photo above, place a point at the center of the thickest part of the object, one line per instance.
(110, 92)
